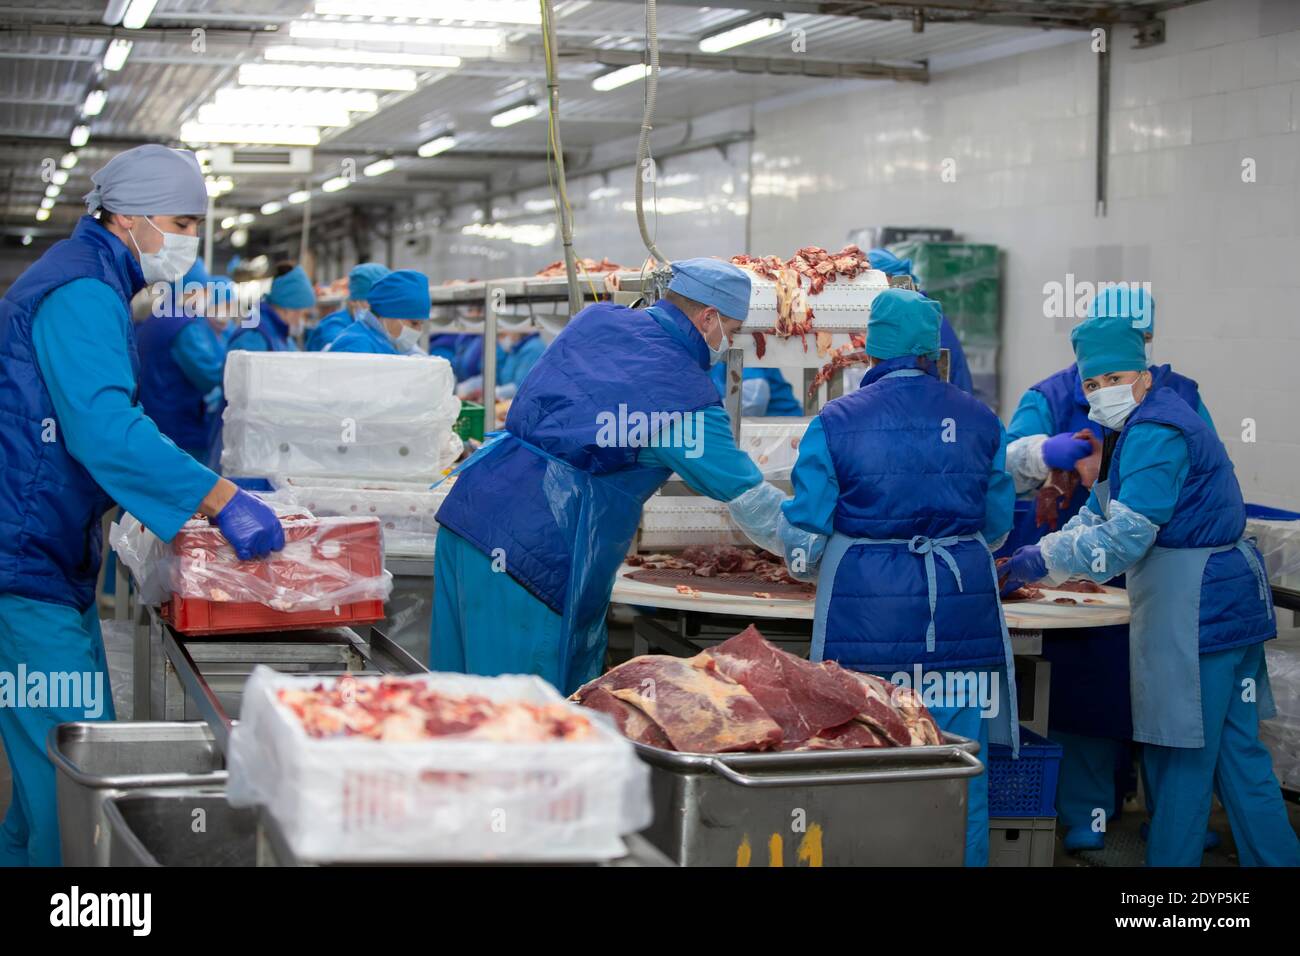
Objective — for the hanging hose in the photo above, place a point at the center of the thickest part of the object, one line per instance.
(643, 145)
(562, 207)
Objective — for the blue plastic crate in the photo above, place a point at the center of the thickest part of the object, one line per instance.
(1024, 787)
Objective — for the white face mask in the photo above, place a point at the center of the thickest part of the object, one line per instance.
(716, 355)
(1110, 407)
(408, 340)
(172, 261)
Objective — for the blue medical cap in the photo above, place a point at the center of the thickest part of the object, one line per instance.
(888, 263)
(713, 282)
(1108, 344)
(362, 277)
(150, 180)
(1125, 300)
(403, 294)
(902, 322)
(292, 290)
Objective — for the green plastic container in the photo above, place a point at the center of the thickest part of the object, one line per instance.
(470, 423)
(965, 278)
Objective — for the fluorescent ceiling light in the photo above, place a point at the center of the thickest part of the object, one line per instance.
(336, 184)
(52, 191)
(27, 239)
(115, 54)
(745, 33)
(137, 14)
(262, 97)
(301, 196)
(80, 136)
(271, 208)
(228, 222)
(480, 11)
(620, 77)
(59, 177)
(539, 205)
(260, 135)
(94, 104)
(219, 187)
(42, 215)
(245, 218)
(379, 167)
(329, 77)
(439, 144)
(329, 54)
(69, 160)
(394, 33)
(47, 203)
(217, 114)
(516, 114)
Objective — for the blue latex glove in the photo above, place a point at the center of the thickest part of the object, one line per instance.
(250, 526)
(1063, 451)
(1025, 567)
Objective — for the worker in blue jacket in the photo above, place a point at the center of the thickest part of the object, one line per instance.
(181, 362)
(763, 392)
(903, 482)
(517, 353)
(76, 441)
(1089, 666)
(1167, 512)
(280, 316)
(396, 316)
(360, 279)
(538, 521)
(958, 369)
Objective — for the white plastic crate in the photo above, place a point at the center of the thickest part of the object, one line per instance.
(360, 800)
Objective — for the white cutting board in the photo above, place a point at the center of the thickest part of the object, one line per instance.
(1044, 614)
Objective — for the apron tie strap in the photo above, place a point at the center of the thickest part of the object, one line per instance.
(1244, 546)
(928, 548)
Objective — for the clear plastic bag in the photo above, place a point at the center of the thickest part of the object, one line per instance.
(407, 510)
(773, 445)
(1281, 734)
(1098, 551)
(357, 799)
(1279, 545)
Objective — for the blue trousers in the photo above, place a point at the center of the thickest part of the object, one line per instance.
(45, 640)
(1087, 780)
(967, 722)
(485, 622)
(1233, 760)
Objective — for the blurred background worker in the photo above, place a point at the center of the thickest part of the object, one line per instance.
(395, 319)
(555, 501)
(181, 361)
(1090, 666)
(905, 480)
(76, 442)
(763, 391)
(360, 279)
(517, 353)
(1167, 511)
(281, 315)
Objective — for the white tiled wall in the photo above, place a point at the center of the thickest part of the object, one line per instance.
(1223, 256)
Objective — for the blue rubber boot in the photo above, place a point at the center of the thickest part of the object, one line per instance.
(1083, 838)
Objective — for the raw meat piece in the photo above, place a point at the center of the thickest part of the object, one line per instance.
(697, 708)
(920, 723)
(584, 265)
(879, 711)
(631, 721)
(841, 357)
(802, 697)
(1060, 485)
(760, 344)
(853, 735)
(1064, 601)
(1081, 586)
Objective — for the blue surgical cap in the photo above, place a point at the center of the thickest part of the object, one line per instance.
(362, 277)
(1110, 344)
(1125, 300)
(713, 282)
(888, 263)
(292, 290)
(150, 180)
(902, 322)
(403, 294)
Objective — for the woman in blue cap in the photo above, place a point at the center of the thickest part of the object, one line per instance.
(1167, 512)
(397, 315)
(360, 279)
(538, 521)
(76, 441)
(902, 471)
(1090, 666)
(281, 314)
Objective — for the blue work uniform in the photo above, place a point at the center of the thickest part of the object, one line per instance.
(76, 441)
(1167, 511)
(958, 367)
(519, 359)
(446, 345)
(898, 473)
(181, 362)
(764, 392)
(469, 357)
(1089, 716)
(555, 501)
(366, 336)
(327, 330)
(269, 334)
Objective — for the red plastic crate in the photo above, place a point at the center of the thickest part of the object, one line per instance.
(340, 548)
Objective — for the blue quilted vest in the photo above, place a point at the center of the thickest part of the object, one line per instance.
(608, 358)
(1209, 513)
(50, 513)
(328, 329)
(363, 338)
(271, 328)
(168, 397)
(898, 478)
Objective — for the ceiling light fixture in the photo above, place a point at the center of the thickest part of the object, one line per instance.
(94, 104)
(479, 11)
(515, 114)
(327, 77)
(137, 14)
(260, 135)
(69, 160)
(620, 77)
(439, 144)
(743, 33)
(115, 54)
(379, 167)
(271, 208)
(329, 54)
(336, 184)
(299, 197)
(394, 33)
(80, 136)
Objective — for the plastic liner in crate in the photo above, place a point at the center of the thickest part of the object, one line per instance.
(407, 510)
(330, 572)
(1024, 787)
(355, 799)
